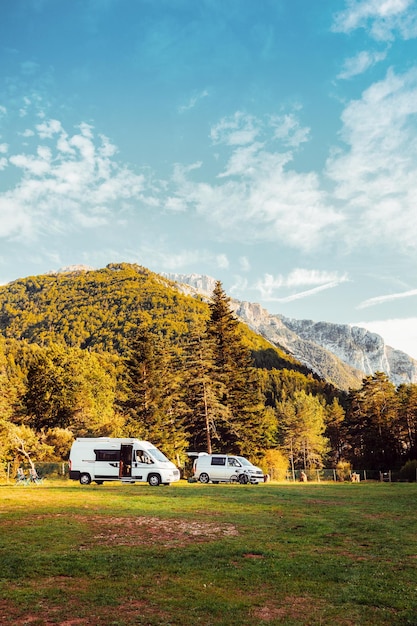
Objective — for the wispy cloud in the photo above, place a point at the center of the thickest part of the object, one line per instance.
(192, 102)
(257, 195)
(383, 19)
(66, 180)
(387, 298)
(360, 63)
(374, 174)
(308, 293)
(270, 286)
(289, 130)
(238, 130)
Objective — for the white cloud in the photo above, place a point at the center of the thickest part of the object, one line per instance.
(244, 264)
(66, 180)
(288, 129)
(257, 196)
(360, 63)
(400, 334)
(4, 147)
(238, 130)
(269, 285)
(157, 256)
(49, 128)
(382, 18)
(222, 261)
(176, 205)
(387, 298)
(193, 101)
(375, 175)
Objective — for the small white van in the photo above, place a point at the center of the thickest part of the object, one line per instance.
(226, 468)
(127, 460)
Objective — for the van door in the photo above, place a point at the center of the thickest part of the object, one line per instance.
(107, 464)
(218, 468)
(233, 466)
(142, 464)
(125, 467)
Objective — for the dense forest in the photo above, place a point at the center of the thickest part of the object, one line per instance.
(122, 352)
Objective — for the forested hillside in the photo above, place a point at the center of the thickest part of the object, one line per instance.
(120, 351)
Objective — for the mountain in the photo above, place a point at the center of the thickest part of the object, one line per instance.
(339, 353)
(100, 310)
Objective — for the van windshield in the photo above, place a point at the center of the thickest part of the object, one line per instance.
(158, 455)
(244, 461)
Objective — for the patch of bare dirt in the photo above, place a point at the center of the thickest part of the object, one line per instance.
(142, 530)
(294, 608)
(329, 502)
(128, 531)
(10, 615)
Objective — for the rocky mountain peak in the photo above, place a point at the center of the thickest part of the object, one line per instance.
(340, 353)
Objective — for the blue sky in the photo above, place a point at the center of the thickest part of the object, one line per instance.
(269, 144)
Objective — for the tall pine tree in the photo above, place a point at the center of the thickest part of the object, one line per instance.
(154, 403)
(244, 425)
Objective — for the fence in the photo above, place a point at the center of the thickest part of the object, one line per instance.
(61, 470)
(45, 470)
(334, 475)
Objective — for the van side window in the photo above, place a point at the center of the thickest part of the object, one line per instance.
(233, 462)
(218, 460)
(107, 455)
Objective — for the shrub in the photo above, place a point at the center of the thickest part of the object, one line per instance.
(409, 471)
(275, 464)
(343, 470)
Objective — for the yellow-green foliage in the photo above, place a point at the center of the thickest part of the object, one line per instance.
(65, 340)
(274, 463)
(343, 470)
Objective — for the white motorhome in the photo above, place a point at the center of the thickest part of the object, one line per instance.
(226, 468)
(125, 460)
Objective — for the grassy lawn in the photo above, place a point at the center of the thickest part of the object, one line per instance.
(328, 554)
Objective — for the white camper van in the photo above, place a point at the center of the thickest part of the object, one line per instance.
(125, 460)
(226, 468)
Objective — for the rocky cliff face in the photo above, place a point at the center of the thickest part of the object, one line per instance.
(362, 350)
(339, 353)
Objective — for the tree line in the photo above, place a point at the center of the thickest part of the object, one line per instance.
(188, 382)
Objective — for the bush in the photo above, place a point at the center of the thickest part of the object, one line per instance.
(343, 470)
(409, 471)
(275, 464)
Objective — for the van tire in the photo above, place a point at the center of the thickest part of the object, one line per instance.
(204, 478)
(154, 480)
(243, 479)
(85, 479)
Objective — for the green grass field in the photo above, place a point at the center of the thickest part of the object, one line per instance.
(328, 554)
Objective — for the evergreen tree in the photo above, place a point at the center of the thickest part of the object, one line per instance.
(154, 394)
(335, 431)
(372, 424)
(202, 392)
(407, 419)
(301, 429)
(245, 425)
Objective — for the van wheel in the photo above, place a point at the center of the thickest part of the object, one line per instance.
(243, 479)
(85, 479)
(154, 480)
(204, 478)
